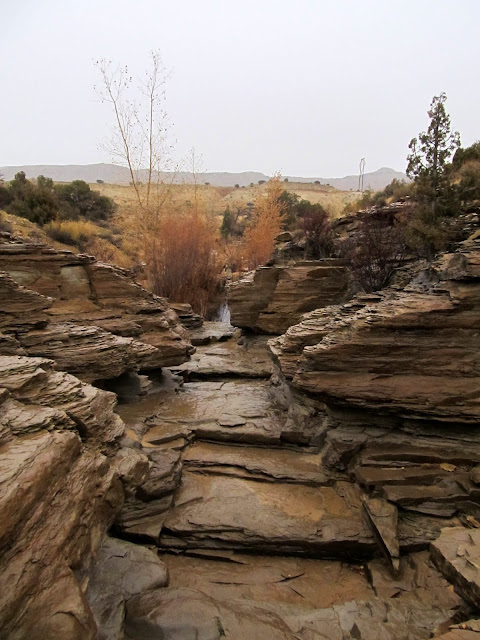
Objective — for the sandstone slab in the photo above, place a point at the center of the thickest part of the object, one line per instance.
(233, 513)
(457, 554)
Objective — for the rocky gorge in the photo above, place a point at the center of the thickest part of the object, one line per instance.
(316, 479)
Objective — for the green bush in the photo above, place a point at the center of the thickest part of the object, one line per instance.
(77, 200)
(42, 202)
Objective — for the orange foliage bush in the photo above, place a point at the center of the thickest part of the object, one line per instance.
(183, 264)
(265, 225)
(177, 244)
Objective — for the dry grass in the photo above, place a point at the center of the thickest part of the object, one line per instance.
(216, 199)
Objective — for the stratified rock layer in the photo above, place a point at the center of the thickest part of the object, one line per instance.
(271, 299)
(89, 293)
(59, 493)
(391, 369)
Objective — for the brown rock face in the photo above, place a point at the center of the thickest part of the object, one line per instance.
(89, 293)
(273, 298)
(86, 351)
(386, 370)
(414, 352)
(58, 495)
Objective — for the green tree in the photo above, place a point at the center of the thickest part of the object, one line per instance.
(289, 203)
(228, 223)
(429, 156)
(36, 202)
(78, 200)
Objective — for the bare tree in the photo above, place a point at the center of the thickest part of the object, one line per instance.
(139, 139)
(174, 239)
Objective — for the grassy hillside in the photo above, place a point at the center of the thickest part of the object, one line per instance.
(217, 199)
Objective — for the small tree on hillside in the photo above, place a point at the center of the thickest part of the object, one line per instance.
(430, 153)
(376, 253)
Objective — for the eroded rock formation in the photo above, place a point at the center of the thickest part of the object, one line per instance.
(271, 299)
(59, 493)
(96, 297)
(362, 448)
(392, 382)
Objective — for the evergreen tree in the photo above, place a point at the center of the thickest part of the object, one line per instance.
(430, 153)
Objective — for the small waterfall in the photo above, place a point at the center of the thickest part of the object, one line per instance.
(223, 313)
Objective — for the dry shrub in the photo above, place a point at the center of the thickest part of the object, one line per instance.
(317, 229)
(72, 232)
(233, 255)
(182, 264)
(266, 224)
(176, 242)
(4, 223)
(377, 251)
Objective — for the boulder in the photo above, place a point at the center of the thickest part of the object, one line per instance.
(122, 570)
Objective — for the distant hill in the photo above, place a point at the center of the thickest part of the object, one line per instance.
(114, 174)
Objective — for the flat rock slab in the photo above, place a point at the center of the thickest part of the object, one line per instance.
(186, 614)
(303, 582)
(180, 613)
(205, 408)
(212, 332)
(228, 359)
(267, 464)
(457, 554)
(233, 513)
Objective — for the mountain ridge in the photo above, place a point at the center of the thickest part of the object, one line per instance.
(116, 174)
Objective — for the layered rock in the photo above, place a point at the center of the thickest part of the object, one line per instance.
(59, 493)
(271, 299)
(89, 293)
(86, 351)
(389, 368)
(457, 554)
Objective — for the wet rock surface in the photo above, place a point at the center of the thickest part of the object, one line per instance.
(226, 359)
(234, 488)
(212, 332)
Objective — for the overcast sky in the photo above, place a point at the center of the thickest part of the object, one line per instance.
(305, 87)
